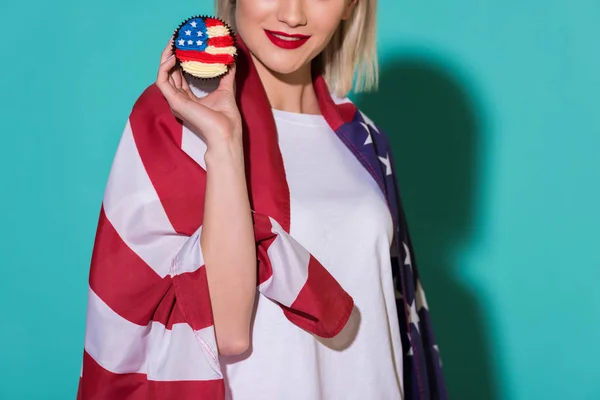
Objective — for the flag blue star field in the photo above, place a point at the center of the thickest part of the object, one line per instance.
(192, 35)
(423, 377)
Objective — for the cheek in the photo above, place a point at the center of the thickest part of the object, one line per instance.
(324, 21)
(323, 33)
(252, 12)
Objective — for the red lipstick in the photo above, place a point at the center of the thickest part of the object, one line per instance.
(293, 41)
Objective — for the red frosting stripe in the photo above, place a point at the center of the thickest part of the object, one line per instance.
(221, 41)
(204, 57)
(212, 22)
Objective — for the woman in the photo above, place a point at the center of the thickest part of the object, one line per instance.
(263, 168)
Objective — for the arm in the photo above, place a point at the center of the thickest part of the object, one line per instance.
(229, 247)
(227, 240)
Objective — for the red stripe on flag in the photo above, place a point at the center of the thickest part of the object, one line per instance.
(204, 57)
(221, 41)
(335, 116)
(100, 384)
(266, 175)
(210, 22)
(263, 233)
(322, 306)
(168, 312)
(122, 279)
(265, 269)
(191, 289)
(178, 180)
(347, 111)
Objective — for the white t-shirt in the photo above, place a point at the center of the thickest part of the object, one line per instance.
(340, 216)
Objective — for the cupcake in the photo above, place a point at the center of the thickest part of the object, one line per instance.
(204, 47)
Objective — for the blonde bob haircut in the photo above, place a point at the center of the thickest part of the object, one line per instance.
(352, 51)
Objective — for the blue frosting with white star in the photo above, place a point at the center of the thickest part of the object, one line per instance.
(192, 35)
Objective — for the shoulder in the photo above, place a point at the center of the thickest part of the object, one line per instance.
(152, 122)
(152, 114)
(150, 104)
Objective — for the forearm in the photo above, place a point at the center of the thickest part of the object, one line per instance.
(228, 246)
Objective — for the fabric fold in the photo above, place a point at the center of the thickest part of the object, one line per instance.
(149, 328)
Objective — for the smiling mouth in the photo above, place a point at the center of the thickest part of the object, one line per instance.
(286, 40)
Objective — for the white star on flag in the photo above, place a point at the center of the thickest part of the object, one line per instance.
(414, 316)
(181, 42)
(420, 297)
(369, 139)
(190, 42)
(188, 33)
(386, 161)
(199, 33)
(199, 42)
(437, 349)
(410, 349)
(407, 258)
(193, 24)
(369, 121)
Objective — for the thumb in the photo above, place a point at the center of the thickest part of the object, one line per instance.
(228, 80)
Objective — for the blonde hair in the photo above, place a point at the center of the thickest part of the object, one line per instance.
(352, 51)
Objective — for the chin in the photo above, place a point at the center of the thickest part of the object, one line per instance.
(282, 64)
(283, 68)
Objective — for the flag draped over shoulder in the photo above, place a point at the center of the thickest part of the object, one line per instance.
(149, 329)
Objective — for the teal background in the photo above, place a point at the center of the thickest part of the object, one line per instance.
(493, 113)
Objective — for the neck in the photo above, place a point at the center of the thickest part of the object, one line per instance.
(289, 92)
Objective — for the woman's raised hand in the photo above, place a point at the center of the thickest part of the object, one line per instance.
(215, 117)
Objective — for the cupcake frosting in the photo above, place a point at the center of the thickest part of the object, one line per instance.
(205, 47)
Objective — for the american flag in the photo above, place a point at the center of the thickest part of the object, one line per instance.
(149, 330)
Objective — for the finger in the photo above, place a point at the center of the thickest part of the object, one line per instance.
(163, 78)
(184, 83)
(228, 80)
(176, 75)
(185, 86)
(168, 51)
(164, 69)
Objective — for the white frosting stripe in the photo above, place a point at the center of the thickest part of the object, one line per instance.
(221, 50)
(203, 70)
(215, 31)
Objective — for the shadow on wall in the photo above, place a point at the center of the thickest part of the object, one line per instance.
(435, 135)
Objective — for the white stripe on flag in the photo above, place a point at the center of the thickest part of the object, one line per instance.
(120, 346)
(289, 261)
(191, 143)
(190, 257)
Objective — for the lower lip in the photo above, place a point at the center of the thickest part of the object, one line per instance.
(286, 44)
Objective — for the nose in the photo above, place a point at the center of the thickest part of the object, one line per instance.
(291, 12)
